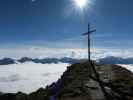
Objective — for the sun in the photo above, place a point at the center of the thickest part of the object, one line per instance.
(78, 7)
(80, 3)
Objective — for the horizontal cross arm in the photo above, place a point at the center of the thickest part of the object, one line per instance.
(87, 33)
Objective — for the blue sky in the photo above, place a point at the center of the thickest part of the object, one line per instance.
(53, 23)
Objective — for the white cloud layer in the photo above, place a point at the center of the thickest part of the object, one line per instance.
(41, 52)
(29, 77)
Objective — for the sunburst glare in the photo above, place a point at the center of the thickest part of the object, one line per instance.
(81, 4)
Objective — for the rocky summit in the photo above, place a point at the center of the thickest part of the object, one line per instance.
(79, 82)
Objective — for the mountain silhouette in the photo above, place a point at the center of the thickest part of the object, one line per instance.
(106, 60)
(7, 61)
(115, 60)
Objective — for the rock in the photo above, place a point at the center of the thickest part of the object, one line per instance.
(21, 96)
(77, 82)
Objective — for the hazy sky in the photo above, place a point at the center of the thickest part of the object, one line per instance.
(54, 23)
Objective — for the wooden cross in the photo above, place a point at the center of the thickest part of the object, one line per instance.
(88, 34)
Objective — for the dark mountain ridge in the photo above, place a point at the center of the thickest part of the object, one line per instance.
(115, 60)
(106, 60)
(7, 61)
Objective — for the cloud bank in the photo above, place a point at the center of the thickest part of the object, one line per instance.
(28, 77)
(42, 52)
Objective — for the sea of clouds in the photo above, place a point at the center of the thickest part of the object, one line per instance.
(29, 77)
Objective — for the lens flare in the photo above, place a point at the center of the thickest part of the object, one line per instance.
(78, 7)
(80, 3)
